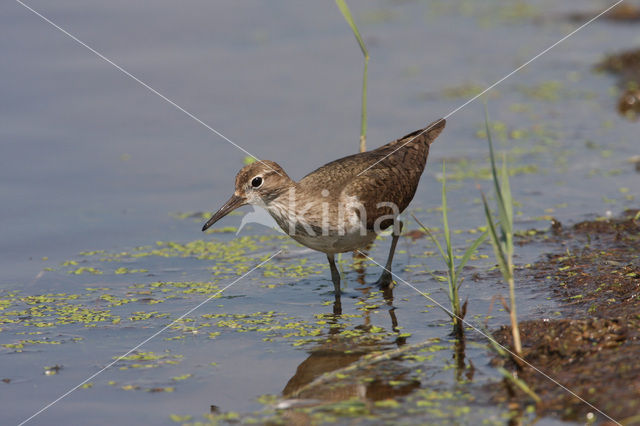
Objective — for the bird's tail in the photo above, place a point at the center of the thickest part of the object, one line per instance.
(427, 134)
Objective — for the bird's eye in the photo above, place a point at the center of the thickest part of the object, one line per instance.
(256, 182)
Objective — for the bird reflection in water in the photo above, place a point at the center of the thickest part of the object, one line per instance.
(369, 383)
(360, 380)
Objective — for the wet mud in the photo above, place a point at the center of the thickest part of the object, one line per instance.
(623, 13)
(593, 349)
(625, 65)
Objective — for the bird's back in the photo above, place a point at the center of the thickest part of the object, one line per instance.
(389, 173)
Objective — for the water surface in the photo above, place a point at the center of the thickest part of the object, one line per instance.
(91, 160)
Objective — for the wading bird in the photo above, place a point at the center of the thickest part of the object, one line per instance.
(344, 204)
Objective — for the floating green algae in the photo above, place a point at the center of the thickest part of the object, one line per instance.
(149, 359)
(145, 288)
(50, 310)
(86, 269)
(124, 302)
(124, 270)
(400, 389)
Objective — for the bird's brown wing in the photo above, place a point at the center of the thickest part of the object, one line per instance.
(335, 175)
(338, 173)
(393, 175)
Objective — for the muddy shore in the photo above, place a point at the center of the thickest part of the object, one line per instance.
(594, 349)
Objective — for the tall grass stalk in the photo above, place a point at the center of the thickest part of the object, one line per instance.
(342, 5)
(501, 232)
(454, 273)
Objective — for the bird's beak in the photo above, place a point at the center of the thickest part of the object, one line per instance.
(234, 202)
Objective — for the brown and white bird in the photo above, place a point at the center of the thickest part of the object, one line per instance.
(343, 205)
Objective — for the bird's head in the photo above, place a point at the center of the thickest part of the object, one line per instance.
(258, 183)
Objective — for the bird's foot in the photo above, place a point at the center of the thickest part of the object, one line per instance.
(385, 280)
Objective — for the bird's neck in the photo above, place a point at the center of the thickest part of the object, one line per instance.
(289, 209)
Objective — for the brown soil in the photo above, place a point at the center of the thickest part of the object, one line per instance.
(626, 65)
(594, 350)
(623, 13)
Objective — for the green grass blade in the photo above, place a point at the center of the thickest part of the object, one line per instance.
(453, 279)
(445, 221)
(437, 243)
(502, 211)
(506, 197)
(520, 383)
(470, 250)
(492, 158)
(506, 189)
(495, 240)
(363, 117)
(434, 239)
(494, 344)
(342, 5)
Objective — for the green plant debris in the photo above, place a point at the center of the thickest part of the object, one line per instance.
(182, 377)
(51, 371)
(463, 91)
(142, 316)
(123, 270)
(161, 389)
(545, 91)
(102, 306)
(465, 169)
(180, 419)
(553, 91)
(85, 269)
(147, 360)
(226, 229)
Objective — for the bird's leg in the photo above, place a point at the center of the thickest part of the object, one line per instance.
(386, 278)
(387, 293)
(335, 275)
(337, 306)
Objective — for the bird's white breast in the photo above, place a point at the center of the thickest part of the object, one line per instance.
(336, 243)
(337, 234)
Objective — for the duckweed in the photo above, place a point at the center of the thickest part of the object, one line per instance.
(141, 359)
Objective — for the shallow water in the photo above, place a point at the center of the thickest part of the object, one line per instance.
(94, 161)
